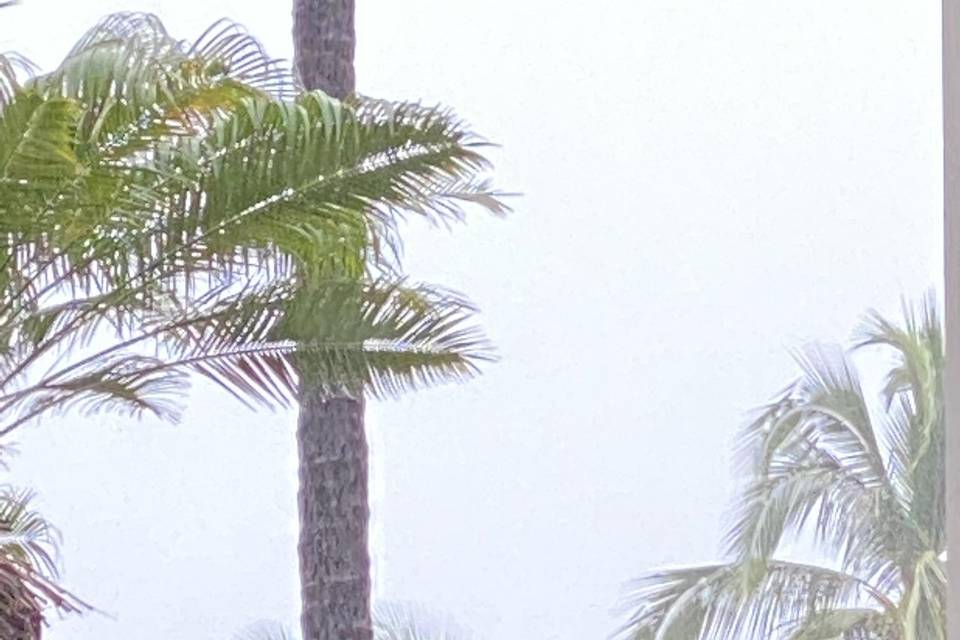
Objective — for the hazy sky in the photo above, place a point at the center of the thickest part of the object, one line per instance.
(705, 183)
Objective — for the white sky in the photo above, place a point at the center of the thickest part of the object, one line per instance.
(705, 183)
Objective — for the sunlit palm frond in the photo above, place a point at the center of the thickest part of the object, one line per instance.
(138, 87)
(298, 175)
(36, 139)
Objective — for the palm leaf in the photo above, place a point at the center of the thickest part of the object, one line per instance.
(839, 624)
(409, 621)
(710, 602)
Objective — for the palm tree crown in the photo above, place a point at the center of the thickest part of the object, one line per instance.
(859, 488)
(192, 207)
(222, 222)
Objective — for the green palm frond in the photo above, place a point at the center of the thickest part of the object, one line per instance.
(382, 337)
(13, 67)
(865, 523)
(847, 623)
(224, 49)
(313, 175)
(209, 185)
(409, 621)
(924, 605)
(25, 536)
(264, 630)
(820, 468)
(830, 408)
(28, 566)
(914, 400)
(711, 602)
(36, 139)
(188, 199)
(861, 487)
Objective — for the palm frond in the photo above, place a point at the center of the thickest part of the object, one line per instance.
(822, 498)
(710, 602)
(307, 175)
(409, 621)
(264, 630)
(913, 395)
(869, 490)
(381, 337)
(817, 462)
(28, 566)
(12, 67)
(25, 536)
(924, 608)
(847, 623)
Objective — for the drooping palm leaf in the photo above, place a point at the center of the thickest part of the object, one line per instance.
(860, 487)
(186, 201)
(28, 568)
(711, 602)
(409, 621)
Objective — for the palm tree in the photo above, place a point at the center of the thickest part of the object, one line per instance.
(324, 41)
(189, 197)
(220, 221)
(859, 490)
(28, 568)
(334, 466)
(335, 579)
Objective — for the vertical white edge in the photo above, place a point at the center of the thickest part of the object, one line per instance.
(951, 245)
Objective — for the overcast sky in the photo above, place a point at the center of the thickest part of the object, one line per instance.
(705, 184)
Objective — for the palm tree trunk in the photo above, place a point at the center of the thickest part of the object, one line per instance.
(334, 515)
(333, 501)
(323, 45)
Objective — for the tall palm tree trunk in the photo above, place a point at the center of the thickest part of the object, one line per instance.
(323, 44)
(333, 501)
(334, 515)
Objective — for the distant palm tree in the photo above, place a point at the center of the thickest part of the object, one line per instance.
(859, 492)
(28, 568)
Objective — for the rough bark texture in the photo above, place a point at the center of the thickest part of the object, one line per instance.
(324, 42)
(334, 515)
(334, 508)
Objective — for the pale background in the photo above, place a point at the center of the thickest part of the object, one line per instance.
(705, 183)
